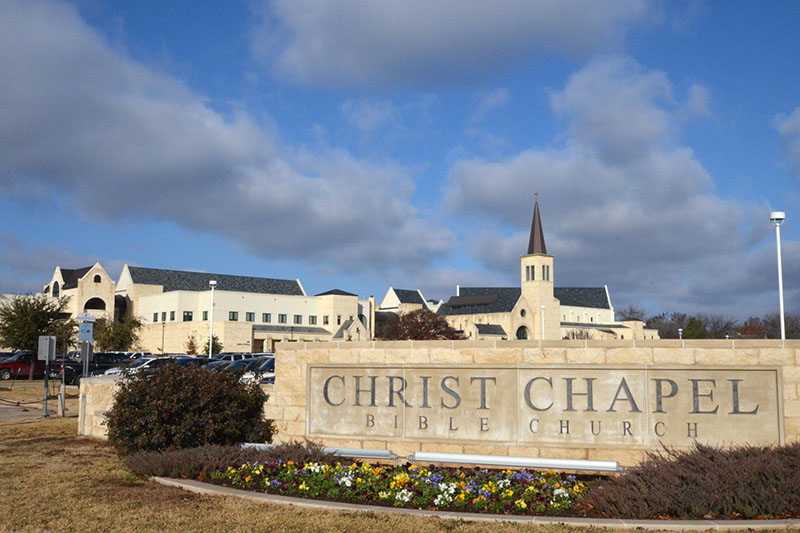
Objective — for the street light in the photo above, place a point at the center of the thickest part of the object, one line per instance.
(542, 322)
(212, 283)
(777, 218)
(680, 333)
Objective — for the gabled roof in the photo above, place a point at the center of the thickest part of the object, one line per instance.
(536, 243)
(472, 300)
(595, 297)
(490, 329)
(345, 325)
(71, 276)
(408, 296)
(336, 292)
(179, 280)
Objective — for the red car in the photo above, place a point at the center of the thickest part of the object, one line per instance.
(18, 366)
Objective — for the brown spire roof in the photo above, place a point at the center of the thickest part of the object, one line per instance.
(536, 243)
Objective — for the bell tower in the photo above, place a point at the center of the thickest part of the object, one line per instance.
(536, 271)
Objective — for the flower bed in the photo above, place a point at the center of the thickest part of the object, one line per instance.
(413, 486)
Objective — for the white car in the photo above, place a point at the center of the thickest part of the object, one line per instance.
(138, 365)
(264, 373)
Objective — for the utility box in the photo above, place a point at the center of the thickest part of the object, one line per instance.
(47, 348)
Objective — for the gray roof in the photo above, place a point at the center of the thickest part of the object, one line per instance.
(472, 300)
(179, 280)
(592, 325)
(490, 329)
(595, 297)
(336, 292)
(408, 296)
(292, 329)
(346, 324)
(71, 276)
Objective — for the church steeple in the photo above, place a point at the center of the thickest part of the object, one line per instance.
(536, 243)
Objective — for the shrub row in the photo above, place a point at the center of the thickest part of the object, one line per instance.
(705, 482)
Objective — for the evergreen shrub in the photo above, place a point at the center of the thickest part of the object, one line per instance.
(178, 407)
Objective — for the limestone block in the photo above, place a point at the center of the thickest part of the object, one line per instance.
(369, 356)
(298, 429)
(404, 449)
(609, 343)
(407, 356)
(432, 344)
(514, 344)
(625, 457)
(544, 356)
(481, 449)
(523, 451)
(715, 356)
(776, 356)
(374, 445)
(660, 343)
(497, 356)
(314, 356)
(629, 356)
(294, 414)
(341, 443)
(447, 355)
(398, 345)
(791, 408)
(473, 344)
(791, 392)
(791, 374)
(707, 343)
(563, 344)
(442, 447)
(273, 413)
(792, 429)
(343, 356)
(563, 453)
(586, 356)
(673, 356)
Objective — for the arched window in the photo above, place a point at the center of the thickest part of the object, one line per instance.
(55, 289)
(97, 278)
(522, 333)
(521, 312)
(95, 303)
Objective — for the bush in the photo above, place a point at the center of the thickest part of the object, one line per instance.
(704, 482)
(185, 407)
(199, 463)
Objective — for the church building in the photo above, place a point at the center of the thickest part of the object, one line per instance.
(537, 309)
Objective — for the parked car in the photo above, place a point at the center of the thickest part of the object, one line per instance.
(101, 361)
(228, 356)
(191, 361)
(263, 373)
(143, 364)
(19, 365)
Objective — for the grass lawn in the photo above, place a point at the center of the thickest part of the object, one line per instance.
(53, 480)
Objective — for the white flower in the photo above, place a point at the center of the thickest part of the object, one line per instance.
(403, 496)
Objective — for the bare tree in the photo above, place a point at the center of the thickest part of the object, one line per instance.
(630, 313)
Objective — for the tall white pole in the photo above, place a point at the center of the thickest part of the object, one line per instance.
(542, 322)
(780, 280)
(213, 284)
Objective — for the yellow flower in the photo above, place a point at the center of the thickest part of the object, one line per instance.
(303, 486)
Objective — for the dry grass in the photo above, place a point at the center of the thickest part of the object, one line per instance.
(53, 480)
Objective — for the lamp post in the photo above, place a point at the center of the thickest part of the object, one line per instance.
(542, 322)
(212, 283)
(777, 218)
(680, 333)
(163, 327)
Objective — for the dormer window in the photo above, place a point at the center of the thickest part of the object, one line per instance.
(55, 289)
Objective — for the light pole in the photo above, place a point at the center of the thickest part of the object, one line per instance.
(163, 327)
(212, 283)
(680, 333)
(777, 218)
(542, 322)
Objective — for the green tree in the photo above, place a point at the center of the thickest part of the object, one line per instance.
(24, 318)
(695, 329)
(116, 336)
(421, 324)
(217, 346)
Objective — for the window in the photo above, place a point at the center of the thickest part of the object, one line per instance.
(172, 315)
(266, 317)
(325, 320)
(163, 316)
(250, 317)
(312, 320)
(298, 319)
(281, 318)
(521, 312)
(527, 273)
(338, 320)
(233, 316)
(187, 316)
(205, 315)
(155, 317)
(97, 278)
(55, 289)
(544, 269)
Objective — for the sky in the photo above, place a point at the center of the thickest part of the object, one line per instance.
(360, 145)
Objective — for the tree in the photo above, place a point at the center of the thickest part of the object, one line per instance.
(772, 325)
(216, 345)
(695, 329)
(24, 318)
(631, 313)
(720, 327)
(420, 324)
(116, 336)
(191, 345)
(753, 328)
(668, 324)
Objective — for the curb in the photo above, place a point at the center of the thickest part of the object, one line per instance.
(199, 487)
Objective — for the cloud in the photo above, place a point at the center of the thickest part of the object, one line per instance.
(402, 42)
(495, 99)
(789, 129)
(81, 119)
(621, 202)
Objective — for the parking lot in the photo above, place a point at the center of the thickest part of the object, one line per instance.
(24, 399)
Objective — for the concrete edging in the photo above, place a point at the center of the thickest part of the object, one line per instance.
(698, 525)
